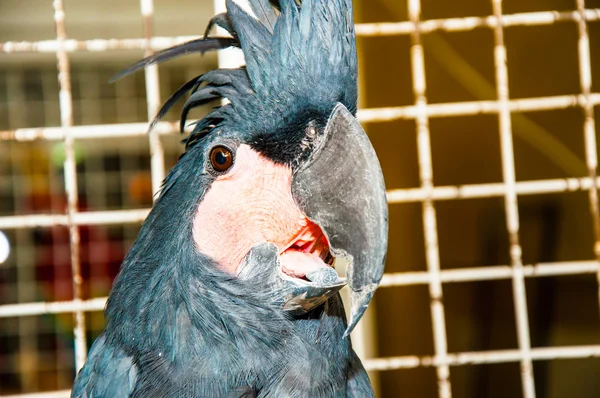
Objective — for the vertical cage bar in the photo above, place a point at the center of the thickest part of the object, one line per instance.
(229, 57)
(157, 156)
(66, 121)
(589, 126)
(511, 205)
(428, 209)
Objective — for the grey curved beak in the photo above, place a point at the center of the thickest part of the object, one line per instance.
(341, 188)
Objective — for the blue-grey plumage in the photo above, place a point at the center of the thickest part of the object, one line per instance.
(188, 317)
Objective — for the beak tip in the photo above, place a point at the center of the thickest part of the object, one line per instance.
(360, 301)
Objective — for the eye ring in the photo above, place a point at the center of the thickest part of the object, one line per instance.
(221, 158)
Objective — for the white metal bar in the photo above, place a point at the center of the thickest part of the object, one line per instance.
(511, 206)
(157, 156)
(489, 273)
(95, 45)
(483, 357)
(470, 23)
(461, 275)
(58, 307)
(470, 108)
(66, 117)
(365, 30)
(436, 296)
(490, 190)
(395, 196)
(51, 96)
(589, 126)
(453, 359)
(229, 58)
(53, 394)
(364, 115)
(121, 130)
(83, 218)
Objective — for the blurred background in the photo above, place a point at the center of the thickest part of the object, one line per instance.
(36, 352)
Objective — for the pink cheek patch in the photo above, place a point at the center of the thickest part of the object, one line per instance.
(250, 204)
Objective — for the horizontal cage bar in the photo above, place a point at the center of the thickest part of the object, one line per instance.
(482, 357)
(365, 30)
(84, 218)
(467, 108)
(53, 394)
(389, 280)
(395, 196)
(450, 359)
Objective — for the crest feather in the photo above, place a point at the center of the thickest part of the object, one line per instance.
(300, 60)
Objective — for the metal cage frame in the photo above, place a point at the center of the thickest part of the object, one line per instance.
(427, 194)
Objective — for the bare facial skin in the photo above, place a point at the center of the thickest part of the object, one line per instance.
(253, 203)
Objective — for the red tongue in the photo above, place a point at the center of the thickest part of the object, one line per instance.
(298, 264)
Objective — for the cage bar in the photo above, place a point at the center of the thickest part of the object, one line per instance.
(471, 23)
(498, 272)
(54, 394)
(458, 359)
(432, 255)
(511, 206)
(59, 307)
(370, 115)
(490, 190)
(95, 45)
(484, 357)
(157, 155)
(589, 126)
(364, 29)
(395, 196)
(83, 218)
(66, 118)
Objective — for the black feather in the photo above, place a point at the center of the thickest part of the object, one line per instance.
(199, 98)
(181, 91)
(193, 46)
(221, 20)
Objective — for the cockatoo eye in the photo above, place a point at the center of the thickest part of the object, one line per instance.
(221, 158)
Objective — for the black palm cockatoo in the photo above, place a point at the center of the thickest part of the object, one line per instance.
(230, 289)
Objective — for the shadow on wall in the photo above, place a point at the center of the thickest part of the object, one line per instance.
(542, 61)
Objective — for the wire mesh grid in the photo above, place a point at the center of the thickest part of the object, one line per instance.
(427, 194)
